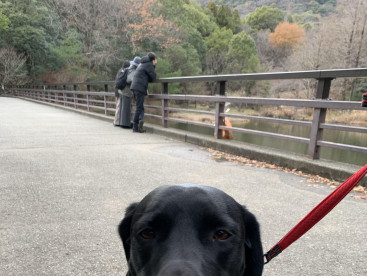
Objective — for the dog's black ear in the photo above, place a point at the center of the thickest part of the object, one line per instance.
(253, 247)
(125, 228)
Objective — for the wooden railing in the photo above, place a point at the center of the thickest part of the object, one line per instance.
(82, 96)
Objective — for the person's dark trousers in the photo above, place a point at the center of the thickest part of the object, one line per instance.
(139, 110)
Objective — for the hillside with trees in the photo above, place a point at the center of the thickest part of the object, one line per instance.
(58, 41)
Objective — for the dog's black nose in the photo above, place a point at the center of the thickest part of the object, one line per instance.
(179, 268)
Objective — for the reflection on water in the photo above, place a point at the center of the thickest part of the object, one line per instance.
(357, 139)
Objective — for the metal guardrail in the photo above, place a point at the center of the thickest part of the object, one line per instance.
(104, 102)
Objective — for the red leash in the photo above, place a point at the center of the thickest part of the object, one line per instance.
(317, 213)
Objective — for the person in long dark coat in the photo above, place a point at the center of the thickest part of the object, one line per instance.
(126, 95)
(116, 121)
(139, 86)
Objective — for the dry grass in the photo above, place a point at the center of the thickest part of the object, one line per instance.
(342, 117)
(346, 117)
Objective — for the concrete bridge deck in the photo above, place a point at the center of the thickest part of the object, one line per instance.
(65, 180)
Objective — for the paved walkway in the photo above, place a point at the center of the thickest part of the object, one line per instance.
(65, 180)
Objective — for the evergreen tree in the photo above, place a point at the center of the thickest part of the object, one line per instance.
(266, 17)
(31, 31)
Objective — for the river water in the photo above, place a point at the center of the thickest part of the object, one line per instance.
(351, 138)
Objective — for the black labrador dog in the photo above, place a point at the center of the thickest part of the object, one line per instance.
(191, 230)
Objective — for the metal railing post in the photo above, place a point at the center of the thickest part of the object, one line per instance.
(219, 108)
(319, 115)
(164, 105)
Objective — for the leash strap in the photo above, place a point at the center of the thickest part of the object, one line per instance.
(317, 213)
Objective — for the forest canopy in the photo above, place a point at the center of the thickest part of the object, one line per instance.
(54, 41)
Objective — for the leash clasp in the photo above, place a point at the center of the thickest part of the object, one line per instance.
(272, 253)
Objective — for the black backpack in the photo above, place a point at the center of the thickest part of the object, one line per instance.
(120, 81)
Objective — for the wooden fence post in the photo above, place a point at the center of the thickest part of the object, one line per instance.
(105, 100)
(164, 105)
(63, 94)
(75, 87)
(219, 108)
(56, 95)
(319, 115)
(88, 90)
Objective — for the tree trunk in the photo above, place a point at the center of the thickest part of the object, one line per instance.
(348, 61)
(358, 56)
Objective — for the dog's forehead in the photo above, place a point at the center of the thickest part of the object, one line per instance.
(190, 191)
(188, 195)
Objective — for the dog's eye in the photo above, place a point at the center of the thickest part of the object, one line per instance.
(147, 234)
(221, 235)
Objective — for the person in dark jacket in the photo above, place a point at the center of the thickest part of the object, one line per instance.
(139, 86)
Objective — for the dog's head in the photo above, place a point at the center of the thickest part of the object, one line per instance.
(191, 230)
